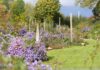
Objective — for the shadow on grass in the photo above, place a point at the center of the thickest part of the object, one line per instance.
(50, 58)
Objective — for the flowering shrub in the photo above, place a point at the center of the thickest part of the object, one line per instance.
(54, 40)
(16, 50)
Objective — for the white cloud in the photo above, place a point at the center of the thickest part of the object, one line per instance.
(67, 2)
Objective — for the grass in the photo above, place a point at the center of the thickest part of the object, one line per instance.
(77, 57)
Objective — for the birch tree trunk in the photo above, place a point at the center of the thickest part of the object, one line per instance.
(59, 24)
(37, 34)
(71, 28)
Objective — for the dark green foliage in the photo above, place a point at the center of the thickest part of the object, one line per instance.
(63, 20)
(17, 8)
(96, 10)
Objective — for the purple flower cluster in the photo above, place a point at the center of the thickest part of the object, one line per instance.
(58, 36)
(17, 51)
(29, 54)
(38, 52)
(16, 47)
(37, 65)
(29, 35)
(17, 41)
(23, 31)
(85, 29)
(46, 35)
(33, 56)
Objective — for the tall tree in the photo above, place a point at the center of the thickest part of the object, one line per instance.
(17, 8)
(46, 9)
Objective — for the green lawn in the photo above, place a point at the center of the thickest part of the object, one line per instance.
(75, 57)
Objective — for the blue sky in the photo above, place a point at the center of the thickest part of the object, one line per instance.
(68, 6)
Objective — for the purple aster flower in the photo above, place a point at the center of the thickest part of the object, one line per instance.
(46, 34)
(29, 35)
(43, 67)
(30, 67)
(29, 54)
(17, 41)
(40, 51)
(23, 31)
(16, 47)
(37, 65)
(42, 47)
(17, 51)
(85, 29)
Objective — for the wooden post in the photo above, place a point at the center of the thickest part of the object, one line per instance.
(71, 28)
